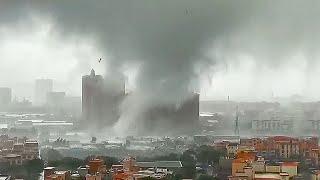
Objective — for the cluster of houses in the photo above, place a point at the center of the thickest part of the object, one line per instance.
(16, 151)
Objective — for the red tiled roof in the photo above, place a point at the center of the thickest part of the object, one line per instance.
(282, 138)
(289, 164)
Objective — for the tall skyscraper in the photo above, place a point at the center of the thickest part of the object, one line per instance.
(101, 99)
(5, 96)
(42, 88)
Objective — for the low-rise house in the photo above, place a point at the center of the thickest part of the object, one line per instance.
(248, 166)
(13, 159)
(315, 175)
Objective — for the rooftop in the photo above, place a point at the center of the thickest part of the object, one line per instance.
(317, 172)
(268, 176)
(282, 138)
(49, 168)
(289, 164)
(284, 174)
(4, 177)
(12, 156)
(61, 172)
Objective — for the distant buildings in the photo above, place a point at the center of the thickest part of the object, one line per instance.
(130, 169)
(249, 166)
(272, 126)
(101, 99)
(73, 105)
(274, 122)
(50, 173)
(42, 88)
(42, 126)
(60, 104)
(5, 96)
(230, 106)
(272, 157)
(95, 170)
(282, 146)
(56, 99)
(16, 151)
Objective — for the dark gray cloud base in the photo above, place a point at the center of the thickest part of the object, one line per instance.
(168, 39)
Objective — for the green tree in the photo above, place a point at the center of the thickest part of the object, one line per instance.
(206, 177)
(170, 157)
(208, 155)
(66, 163)
(34, 166)
(148, 178)
(29, 170)
(51, 155)
(188, 161)
(174, 177)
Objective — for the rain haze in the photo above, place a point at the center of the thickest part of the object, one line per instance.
(244, 49)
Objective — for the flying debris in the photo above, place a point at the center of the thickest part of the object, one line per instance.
(100, 60)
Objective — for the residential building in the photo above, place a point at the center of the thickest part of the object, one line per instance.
(56, 99)
(101, 99)
(248, 166)
(315, 175)
(283, 146)
(42, 88)
(232, 149)
(18, 150)
(130, 169)
(5, 96)
(13, 159)
(59, 175)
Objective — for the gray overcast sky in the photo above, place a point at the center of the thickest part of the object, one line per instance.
(245, 49)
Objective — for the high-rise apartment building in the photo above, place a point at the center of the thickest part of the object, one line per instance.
(42, 88)
(101, 99)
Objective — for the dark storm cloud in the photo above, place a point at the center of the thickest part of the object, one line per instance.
(165, 37)
(168, 39)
